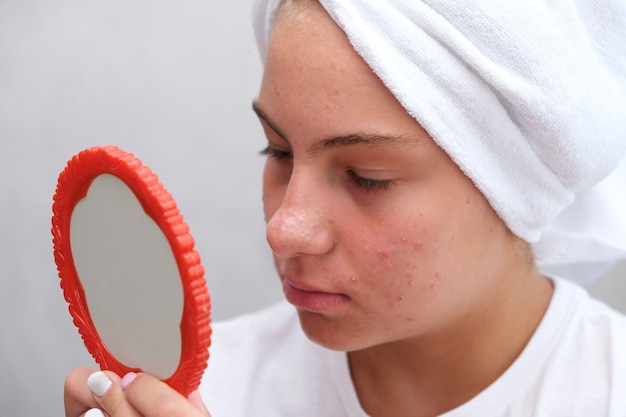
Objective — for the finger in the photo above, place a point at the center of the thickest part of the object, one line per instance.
(195, 399)
(154, 398)
(77, 397)
(94, 412)
(107, 391)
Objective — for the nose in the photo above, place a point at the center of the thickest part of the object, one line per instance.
(301, 224)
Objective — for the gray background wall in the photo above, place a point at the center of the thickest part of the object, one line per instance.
(171, 82)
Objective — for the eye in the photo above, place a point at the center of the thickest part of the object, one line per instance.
(369, 184)
(274, 153)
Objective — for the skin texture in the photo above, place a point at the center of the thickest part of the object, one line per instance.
(385, 247)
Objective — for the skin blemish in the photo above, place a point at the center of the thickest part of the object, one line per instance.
(382, 254)
(404, 317)
(412, 243)
(409, 279)
(437, 278)
(416, 245)
(353, 279)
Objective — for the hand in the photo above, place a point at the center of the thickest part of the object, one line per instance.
(136, 395)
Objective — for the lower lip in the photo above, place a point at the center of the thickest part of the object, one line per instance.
(314, 301)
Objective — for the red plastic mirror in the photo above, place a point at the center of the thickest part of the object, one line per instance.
(128, 268)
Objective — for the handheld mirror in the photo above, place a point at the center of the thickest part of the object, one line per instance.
(128, 269)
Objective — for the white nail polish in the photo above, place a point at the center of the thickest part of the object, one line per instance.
(94, 412)
(99, 383)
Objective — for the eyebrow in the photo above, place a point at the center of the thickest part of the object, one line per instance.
(361, 139)
(261, 115)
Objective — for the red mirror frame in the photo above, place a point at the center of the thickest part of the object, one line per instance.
(72, 186)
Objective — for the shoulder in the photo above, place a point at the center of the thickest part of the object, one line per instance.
(588, 318)
(584, 341)
(572, 366)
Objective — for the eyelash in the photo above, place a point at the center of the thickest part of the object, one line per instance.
(367, 184)
(275, 153)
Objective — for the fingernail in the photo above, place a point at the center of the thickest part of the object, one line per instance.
(99, 383)
(128, 378)
(94, 412)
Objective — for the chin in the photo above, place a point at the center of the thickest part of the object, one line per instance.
(333, 333)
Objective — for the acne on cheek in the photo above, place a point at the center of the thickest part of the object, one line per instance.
(397, 255)
(403, 292)
(413, 243)
(383, 255)
(401, 301)
(433, 285)
(406, 247)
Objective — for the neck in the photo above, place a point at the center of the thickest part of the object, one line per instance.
(431, 374)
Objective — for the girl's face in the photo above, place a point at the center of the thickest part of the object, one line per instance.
(377, 235)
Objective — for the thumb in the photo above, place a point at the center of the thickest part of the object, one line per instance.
(153, 397)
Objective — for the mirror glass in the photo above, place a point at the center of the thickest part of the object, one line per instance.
(135, 302)
(134, 284)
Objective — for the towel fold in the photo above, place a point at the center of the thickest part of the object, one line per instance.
(527, 97)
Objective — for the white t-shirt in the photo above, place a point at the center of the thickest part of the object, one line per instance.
(574, 366)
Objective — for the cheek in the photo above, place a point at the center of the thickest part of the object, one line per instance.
(399, 269)
(406, 267)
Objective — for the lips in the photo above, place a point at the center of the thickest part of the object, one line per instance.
(313, 300)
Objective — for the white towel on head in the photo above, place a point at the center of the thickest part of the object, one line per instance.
(527, 97)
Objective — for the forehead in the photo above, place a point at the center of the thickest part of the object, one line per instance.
(308, 33)
(314, 82)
